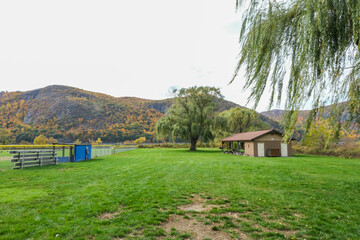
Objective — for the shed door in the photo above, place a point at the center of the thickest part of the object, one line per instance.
(284, 150)
(261, 152)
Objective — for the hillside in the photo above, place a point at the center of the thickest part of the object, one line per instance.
(277, 114)
(68, 113)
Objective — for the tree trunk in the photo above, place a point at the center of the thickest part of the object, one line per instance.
(193, 144)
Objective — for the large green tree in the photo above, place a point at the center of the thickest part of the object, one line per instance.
(191, 116)
(237, 120)
(309, 49)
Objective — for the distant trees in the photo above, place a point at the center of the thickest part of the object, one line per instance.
(140, 140)
(40, 140)
(5, 136)
(97, 142)
(112, 120)
(52, 140)
(191, 116)
(320, 135)
(237, 120)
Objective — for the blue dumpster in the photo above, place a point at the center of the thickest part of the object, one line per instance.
(82, 152)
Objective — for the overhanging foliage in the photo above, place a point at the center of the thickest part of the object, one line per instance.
(308, 48)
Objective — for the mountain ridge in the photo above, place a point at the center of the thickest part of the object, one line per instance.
(68, 113)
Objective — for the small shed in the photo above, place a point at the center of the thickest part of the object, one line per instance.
(82, 152)
(265, 143)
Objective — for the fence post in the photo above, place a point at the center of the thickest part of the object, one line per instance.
(39, 158)
(53, 156)
(22, 161)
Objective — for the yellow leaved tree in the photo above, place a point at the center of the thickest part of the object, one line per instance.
(140, 140)
(41, 140)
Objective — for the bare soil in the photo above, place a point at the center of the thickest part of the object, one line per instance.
(195, 224)
(108, 215)
(5, 158)
(198, 205)
(197, 230)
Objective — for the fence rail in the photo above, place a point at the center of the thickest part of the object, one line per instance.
(33, 158)
(103, 150)
(40, 155)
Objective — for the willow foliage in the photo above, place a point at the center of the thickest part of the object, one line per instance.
(309, 49)
(237, 120)
(191, 116)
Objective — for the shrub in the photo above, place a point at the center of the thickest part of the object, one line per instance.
(177, 145)
(345, 150)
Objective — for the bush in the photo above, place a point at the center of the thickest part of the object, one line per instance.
(166, 145)
(177, 145)
(346, 150)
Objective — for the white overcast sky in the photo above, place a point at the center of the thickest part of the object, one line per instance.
(121, 47)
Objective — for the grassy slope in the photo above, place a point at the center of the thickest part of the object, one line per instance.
(39, 203)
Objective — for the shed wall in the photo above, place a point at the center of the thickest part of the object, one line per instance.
(268, 138)
(273, 145)
(249, 149)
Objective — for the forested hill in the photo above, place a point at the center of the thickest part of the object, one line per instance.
(68, 113)
(277, 114)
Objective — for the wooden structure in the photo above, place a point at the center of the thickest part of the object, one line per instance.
(266, 143)
(33, 158)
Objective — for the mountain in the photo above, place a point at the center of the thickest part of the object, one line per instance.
(68, 113)
(324, 112)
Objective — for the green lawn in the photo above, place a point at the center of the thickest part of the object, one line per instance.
(304, 197)
(4, 153)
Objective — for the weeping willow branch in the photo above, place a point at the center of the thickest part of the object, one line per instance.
(319, 41)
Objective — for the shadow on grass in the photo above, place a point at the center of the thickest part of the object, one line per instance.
(203, 150)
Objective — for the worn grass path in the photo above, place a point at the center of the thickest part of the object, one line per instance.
(311, 197)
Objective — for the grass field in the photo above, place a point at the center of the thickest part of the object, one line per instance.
(143, 193)
(4, 153)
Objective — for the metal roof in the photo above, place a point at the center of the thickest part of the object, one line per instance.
(249, 136)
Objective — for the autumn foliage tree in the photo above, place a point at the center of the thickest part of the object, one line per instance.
(319, 134)
(5, 136)
(41, 140)
(192, 115)
(97, 142)
(140, 140)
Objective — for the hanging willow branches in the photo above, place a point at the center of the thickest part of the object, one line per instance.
(309, 49)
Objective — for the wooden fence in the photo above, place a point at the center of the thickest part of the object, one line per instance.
(33, 158)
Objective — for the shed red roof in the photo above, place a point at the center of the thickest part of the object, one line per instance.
(248, 136)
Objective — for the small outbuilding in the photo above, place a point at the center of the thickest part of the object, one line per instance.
(266, 143)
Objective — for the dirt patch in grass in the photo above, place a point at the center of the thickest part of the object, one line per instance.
(241, 217)
(194, 225)
(108, 215)
(178, 225)
(132, 236)
(5, 158)
(201, 223)
(198, 205)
